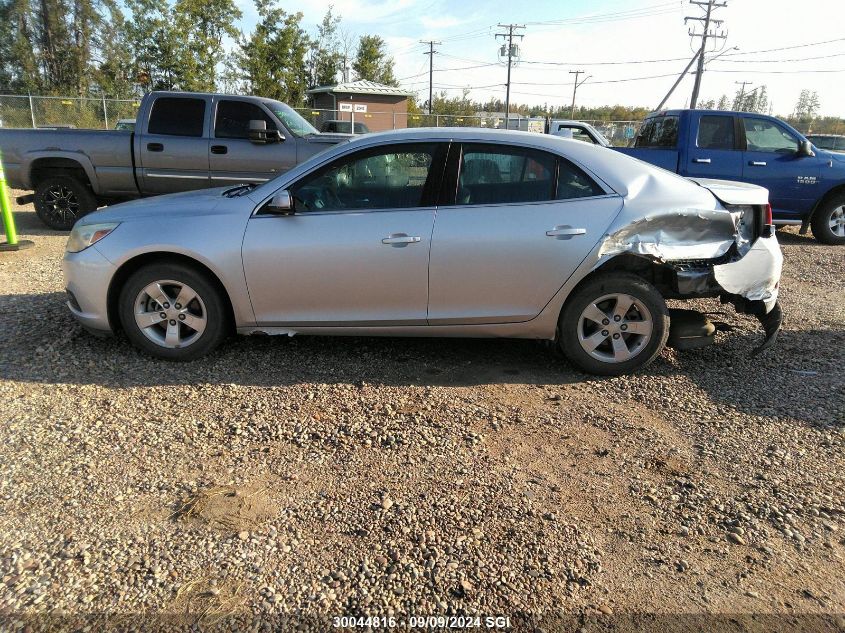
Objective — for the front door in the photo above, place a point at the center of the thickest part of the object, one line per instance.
(355, 251)
(771, 160)
(233, 158)
(174, 147)
(512, 235)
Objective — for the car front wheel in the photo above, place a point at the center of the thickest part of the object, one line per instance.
(613, 324)
(172, 311)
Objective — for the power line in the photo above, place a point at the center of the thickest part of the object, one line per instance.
(512, 52)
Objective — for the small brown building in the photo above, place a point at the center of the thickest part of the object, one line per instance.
(377, 106)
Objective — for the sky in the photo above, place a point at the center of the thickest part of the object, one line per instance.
(603, 38)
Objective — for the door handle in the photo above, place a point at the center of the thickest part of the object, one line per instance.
(701, 160)
(155, 147)
(400, 239)
(565, 232)
(757, 163)
(219, 149)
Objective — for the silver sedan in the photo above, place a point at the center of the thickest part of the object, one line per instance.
(434, 232)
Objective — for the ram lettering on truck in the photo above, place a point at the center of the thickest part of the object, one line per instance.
(181, 141)
(806, 183)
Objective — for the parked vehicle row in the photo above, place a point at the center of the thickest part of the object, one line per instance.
(180, 142)
(806, 184)
(434, 232)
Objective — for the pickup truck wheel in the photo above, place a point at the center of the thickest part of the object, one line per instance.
(172, 311)
(62, 200)
(829, 221)
(613, 324)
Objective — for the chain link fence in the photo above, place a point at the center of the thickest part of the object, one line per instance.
(22, 111)
(65, 112)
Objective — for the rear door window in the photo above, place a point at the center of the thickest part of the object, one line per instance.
(573, 182)
(659, 132)
(177, 116)
(716, 132)
(496, 174)
(233, 117)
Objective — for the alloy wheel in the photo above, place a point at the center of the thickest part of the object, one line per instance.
(170, 314)
(614, 328)
(836, 221)
(62, 204)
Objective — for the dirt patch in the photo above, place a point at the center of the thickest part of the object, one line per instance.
(228, 508)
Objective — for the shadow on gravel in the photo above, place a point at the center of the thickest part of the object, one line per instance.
(800, 378)
(27, 223)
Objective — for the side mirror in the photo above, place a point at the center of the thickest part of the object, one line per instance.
(805, 148)
(260, 135)
(280, 204)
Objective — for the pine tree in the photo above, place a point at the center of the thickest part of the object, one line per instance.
(372, 61)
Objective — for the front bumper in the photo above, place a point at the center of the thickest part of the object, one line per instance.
(87, 277)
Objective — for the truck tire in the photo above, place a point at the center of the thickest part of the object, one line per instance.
(828, 221)
(613, 324)
(60, 200)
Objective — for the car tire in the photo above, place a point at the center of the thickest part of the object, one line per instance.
(61, 200)
(596, 342)
(189, 331)
(828, 221)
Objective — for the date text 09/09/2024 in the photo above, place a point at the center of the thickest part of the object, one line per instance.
(423, 622)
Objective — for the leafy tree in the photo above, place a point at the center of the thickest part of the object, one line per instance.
(162, 58)
(372, 61)
(808, 105)
(325, 58)
(204, 23)
(272, 58)
(724, 103)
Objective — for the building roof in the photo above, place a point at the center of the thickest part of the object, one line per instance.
(362, 87)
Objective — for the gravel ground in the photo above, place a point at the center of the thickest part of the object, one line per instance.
(319, 477)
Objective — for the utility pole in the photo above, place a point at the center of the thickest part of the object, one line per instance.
(741, 97)
(430, 54)
(575, 89)
(511, 53)
(707, 20)
(678, 80)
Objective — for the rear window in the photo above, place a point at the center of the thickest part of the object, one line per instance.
(659, 132)
(498, 174)
(177, 116)
(716, 132)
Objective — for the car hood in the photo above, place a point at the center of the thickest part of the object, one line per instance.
(187, 203)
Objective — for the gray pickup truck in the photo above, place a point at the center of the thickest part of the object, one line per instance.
(181, 141)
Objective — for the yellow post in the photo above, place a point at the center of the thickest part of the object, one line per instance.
(12, 243)
(6, 209)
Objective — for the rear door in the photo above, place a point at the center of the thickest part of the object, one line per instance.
(233, 158)
(515, 226)
(714, 150)
(657, 142)
(771, 160)
(174, 148)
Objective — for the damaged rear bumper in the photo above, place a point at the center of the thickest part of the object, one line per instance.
(749, 283)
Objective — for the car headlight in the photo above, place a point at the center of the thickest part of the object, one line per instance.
(81, 237)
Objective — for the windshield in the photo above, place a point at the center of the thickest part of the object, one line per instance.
(291, 118)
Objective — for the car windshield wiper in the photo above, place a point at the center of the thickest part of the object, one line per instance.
(239, 190)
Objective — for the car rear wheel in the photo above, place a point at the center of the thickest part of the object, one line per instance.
(61, 200)
(172, 312)
(829, 221)
(613, 324)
